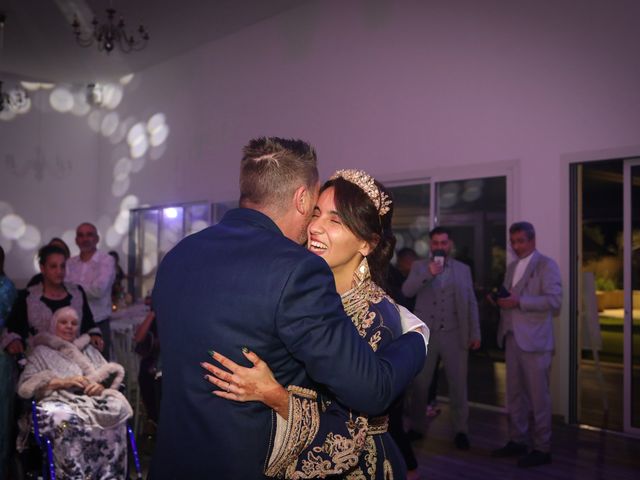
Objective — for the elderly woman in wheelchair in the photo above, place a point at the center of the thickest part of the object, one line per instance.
(79, 406)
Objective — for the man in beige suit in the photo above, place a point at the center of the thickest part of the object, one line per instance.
(446, 302)
(526, 329)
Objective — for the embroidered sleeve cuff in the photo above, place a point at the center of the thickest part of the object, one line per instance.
(296, 434)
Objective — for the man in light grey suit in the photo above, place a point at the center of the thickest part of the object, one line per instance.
(526, 329)
(446, 302)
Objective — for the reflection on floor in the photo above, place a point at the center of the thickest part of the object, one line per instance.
(487, 386)
(595, 396)
(577, 453)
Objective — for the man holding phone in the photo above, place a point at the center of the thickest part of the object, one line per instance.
(526, 331)
(446, 302)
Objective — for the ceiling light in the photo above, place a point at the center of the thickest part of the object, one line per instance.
(110, 34)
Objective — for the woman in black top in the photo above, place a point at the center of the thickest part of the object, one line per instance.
(35, 305)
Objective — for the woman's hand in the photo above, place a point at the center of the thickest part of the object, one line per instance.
(246, 384)
(69, 383)
(93, 389)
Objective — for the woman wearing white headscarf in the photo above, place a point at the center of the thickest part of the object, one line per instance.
(79, 406)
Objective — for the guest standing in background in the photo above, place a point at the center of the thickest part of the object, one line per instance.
(8, 293)
(34, 306)
(118, 289)
(57, 242)
(526, 330)
(95, 271)
(446, 302)
(149, 376)
(7, 297)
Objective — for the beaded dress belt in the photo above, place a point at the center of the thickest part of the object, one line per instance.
(378, 425)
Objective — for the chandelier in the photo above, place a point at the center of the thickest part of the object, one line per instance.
(14, 100)
(110, 34)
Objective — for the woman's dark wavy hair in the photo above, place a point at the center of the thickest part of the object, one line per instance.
(360, 215)
(47, 251)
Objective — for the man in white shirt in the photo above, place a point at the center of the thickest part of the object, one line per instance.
(526, 329)
(95, 271)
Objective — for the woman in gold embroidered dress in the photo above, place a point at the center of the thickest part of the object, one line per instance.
(317, 437)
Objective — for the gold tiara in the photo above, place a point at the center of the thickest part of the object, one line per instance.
(366, 183)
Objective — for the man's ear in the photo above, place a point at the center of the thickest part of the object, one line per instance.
(302, 200)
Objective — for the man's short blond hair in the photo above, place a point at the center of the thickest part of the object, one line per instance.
(273, 168)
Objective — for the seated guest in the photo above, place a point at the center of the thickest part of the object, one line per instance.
(58, 242)
(79, 408)
(34, 306)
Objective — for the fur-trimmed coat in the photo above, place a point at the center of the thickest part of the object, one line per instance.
(88, 432)
(53, 357)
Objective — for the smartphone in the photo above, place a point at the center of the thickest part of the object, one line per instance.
(438, 257)
(500, 292)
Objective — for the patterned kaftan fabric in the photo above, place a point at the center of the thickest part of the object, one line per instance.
(341, 443)
(81, 449)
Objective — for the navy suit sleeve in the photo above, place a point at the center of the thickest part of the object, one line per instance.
(317, 332)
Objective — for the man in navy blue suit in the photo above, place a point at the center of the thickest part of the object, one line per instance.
(247, 282)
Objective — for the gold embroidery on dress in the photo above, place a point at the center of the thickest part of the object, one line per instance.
(357, 474)
(374, 340)
(371, 457)
(343, 451)
(356, 302)
(302, 427)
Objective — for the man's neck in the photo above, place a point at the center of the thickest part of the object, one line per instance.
(527, 255)
(86, 256)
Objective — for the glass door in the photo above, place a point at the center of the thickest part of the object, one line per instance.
(475, 211)
(597, 319)
(605, 291)
(632, 296)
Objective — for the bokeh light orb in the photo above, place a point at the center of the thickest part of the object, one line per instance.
(122, 169)
(12, 226)
(120, 187)
(109, 124)
(61, 100)
(30, 239)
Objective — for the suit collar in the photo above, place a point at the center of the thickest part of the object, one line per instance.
(251, 216)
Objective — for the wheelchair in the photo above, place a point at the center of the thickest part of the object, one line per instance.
(46, 448)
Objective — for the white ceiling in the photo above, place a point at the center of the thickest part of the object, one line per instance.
(38, 43)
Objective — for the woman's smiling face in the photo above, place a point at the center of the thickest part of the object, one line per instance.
(67, 328)
(330, 238)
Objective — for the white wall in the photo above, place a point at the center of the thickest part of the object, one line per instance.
(401, 89)
(48, 164)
